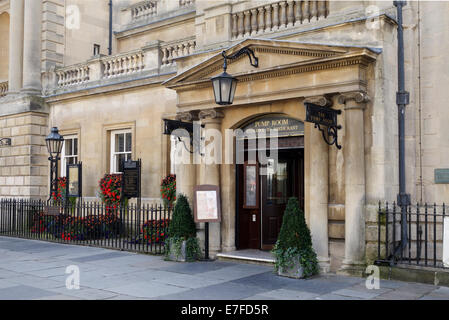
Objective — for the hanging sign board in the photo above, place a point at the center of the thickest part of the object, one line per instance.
(321, 116)
(131, 179)
(207, 204)
(446, 242)
(74, 180)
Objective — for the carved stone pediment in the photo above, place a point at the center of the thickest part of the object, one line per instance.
(275, 59)
(286, 70)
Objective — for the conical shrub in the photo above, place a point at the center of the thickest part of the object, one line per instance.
(182, 224)
(295, 240)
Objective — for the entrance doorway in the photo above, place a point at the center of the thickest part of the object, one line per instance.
(268, 187)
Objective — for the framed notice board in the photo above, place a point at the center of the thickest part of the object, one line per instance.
(207, 203)
(74, 174)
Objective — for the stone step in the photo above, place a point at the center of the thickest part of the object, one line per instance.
(258, 257)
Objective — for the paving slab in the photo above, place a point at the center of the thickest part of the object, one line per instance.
(357, 293)
(147, 289)
(23, 292)
(223, 291)
(285, 294)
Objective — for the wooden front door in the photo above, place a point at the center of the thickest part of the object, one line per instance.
(258, 227)
(277, 186)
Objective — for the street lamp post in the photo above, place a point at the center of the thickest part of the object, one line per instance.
(54, 143)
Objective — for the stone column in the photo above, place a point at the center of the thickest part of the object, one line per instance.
(354, 157)
(210, 166)
(319, 190)
(185, 167)
(16, 46)
(32, 47)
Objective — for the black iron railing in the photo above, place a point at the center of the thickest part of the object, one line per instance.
(425, 235)
(127, 228)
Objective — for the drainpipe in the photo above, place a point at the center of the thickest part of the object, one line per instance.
(402, 100)
(110, 28)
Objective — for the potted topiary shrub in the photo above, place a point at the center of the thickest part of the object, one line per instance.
(182, 243)
(293, 252)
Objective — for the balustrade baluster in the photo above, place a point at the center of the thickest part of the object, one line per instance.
(268, 19)
(306, 12)
(241, 24)
(290, 13)
(283, 15)
(275, 17)
(298, 13)
(261, 18)
(234, 31)
(321, 9)
(253, 22)
(313, 11)
(247, 23)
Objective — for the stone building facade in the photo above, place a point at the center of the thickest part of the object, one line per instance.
(338, 54)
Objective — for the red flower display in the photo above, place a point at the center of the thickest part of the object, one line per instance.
(168, 189)
(111, 190)
(59, 195)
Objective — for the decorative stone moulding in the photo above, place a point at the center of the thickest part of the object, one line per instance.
(3, 88)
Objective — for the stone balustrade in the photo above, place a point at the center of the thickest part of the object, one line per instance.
(105, 69)
(277, 16)
(72, 75)
(174, 50)
(143, 10)
(123, 64)
(185, 3)
(3, 88)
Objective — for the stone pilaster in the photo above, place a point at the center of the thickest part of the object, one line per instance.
(32, 47)
(210, 166)
(354, 155)
(16, 46)
(185, 167)
(318, 154)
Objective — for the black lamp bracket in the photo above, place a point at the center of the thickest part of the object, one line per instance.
(253, 60)
(331, 137)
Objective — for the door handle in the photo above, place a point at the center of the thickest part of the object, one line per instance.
(254, 218)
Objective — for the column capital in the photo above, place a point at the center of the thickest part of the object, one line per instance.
(187, 116)
(359, 97)
(211, 114)
(322, 101)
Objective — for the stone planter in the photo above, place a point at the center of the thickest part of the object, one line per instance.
(296, 271)
(172, 256)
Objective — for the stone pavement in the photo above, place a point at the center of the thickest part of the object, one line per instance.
(37, 270)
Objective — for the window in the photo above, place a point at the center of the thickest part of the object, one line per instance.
(69, 154)
(121, 149)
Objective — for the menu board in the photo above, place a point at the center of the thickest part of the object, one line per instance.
(207, 204)
(74, 183)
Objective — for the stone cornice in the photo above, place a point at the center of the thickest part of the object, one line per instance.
(275, 72)
(288, 93)
(98, 88)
